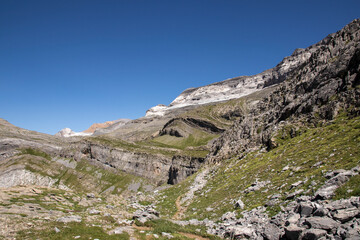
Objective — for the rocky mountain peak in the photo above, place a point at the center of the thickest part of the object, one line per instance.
(330, 70)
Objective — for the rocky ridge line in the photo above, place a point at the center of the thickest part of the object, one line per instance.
(314, 91)
(236, 87)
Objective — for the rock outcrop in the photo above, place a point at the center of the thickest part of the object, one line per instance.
(157, 168)
(316, 89)
(302, 219)
(98, 126)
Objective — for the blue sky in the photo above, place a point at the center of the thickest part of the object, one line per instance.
(72, 63)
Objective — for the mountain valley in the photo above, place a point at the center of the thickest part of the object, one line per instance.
(270, 156)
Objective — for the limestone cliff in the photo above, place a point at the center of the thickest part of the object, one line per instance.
(326, 82)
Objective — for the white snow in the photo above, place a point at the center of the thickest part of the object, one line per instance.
(158, 110)
(67, 132)
(230, 88)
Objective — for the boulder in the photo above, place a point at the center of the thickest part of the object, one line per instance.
(239, 232)
(167, 235)
(345, 215)
(321, 211)
(146, 215)
(228, 216)
(306, 209)
(292, 219)
(325, 223)
(239, 204)
(313, 234)
(271, 232)
(71, 218)
(293, 232)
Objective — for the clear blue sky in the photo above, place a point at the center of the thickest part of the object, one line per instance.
(71, 63)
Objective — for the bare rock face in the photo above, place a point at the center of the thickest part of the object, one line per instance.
(15, 177)
(325, 71)
(98, 126)
(155, 167)
(95, 126)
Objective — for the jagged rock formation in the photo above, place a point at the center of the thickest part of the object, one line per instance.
(326, 81)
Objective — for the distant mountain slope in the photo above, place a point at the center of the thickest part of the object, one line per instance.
(239, 86)
(106, 124)
(279, 161)
(321, 87)
(67, 132)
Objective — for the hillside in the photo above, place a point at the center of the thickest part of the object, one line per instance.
(270, 156)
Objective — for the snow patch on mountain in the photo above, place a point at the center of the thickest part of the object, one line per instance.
(236, 87)
(67, 132)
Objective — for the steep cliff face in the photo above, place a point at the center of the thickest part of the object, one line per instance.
(315, 90)
(153, 167)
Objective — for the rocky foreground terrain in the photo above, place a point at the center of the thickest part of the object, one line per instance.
(270, 156)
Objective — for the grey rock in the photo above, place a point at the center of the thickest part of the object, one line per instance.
(313, 234)
(355, 201)
(293, 219)
(94, 211)
(239, 232)
(145, 215)
(328, 189)
(239, 204)
(90, 195)
(194, 222)
(167, 235)
(339, 204)
(275, 196)
(228, 216)
(271, 232)
(325, 223)
(321, 212)
(345, 215)
(306, 209)
(56, 230)
(293, 194)
(118, 230)
(256, 186)
(296, 184)
(294, 232)
(71, 218)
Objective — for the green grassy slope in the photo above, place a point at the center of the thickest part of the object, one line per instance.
(306, 157)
